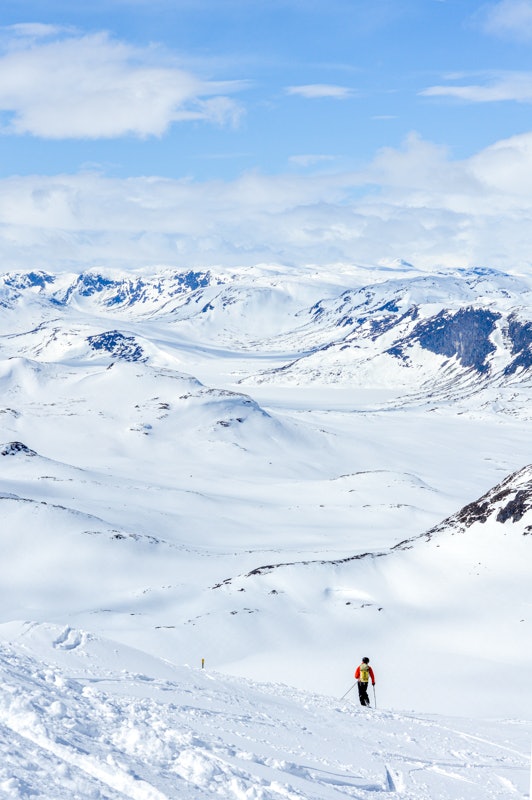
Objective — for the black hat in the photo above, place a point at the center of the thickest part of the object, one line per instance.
(365, 660)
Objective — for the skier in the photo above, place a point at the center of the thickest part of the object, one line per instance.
(363, 673)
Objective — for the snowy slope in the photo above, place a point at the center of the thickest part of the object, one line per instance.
(433, 606)
(81, 717)
(164, 436)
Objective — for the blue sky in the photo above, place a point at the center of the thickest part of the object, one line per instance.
(193, 132)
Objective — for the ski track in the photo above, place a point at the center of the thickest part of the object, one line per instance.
(128, 735)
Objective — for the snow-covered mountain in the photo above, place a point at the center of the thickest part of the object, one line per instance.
(428, 335)
(431, 337)
(253, 468)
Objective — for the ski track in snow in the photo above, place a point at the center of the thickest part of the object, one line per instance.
(125, 734)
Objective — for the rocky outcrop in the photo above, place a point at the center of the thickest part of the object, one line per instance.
(16, 449)
(508, 502)
(117, 345)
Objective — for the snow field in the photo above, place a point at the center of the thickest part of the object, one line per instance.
(176, 509)
(91, 725)
(202, 502)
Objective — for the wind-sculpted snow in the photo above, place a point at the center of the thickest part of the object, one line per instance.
(82, 717)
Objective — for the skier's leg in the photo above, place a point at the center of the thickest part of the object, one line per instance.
(364, 697)
(361, 693)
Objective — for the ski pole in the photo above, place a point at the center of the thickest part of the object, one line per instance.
(345, 695)
(375, 695)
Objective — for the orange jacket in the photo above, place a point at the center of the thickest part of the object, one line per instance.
(371, 674)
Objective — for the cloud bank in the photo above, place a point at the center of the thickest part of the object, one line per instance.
(415, 203)
(58, 85)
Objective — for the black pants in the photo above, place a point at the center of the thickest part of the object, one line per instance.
(363, 693)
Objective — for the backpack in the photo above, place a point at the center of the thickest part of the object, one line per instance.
(364, 673)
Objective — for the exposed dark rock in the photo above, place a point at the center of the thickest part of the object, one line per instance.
(89, 283)
(345, 321)
(516, 508)
(464, 334)
(128, 291)
(266, 568)
(520, 335)
(509, 500)
(478, 511)
(391, 305)
(27, 280)
(118, 345)
(15, 449)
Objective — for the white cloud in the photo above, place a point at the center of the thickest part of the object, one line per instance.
(415, 203)
(509, 18)
(319, 90)
(505, 170)
(515, 86)
(310, 159)
(96, 87)
(34, 30)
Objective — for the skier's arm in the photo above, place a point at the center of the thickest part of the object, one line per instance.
(372, 676)
(357, 673)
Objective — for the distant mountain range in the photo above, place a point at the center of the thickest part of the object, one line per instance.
(422, 332)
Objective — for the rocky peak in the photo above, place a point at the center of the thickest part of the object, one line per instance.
(509, 501)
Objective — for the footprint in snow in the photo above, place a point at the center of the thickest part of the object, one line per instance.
(69, 639)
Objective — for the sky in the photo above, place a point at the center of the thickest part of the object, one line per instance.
(234, 132)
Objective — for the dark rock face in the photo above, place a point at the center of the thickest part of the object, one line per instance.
(464, 334)
(89, 284)
(478, 511)
(28, 280)
(516, 508)
(118, 345)
(130, 291)
(460, 328)
(14, 284)
(520, 335)
(15, 449)
(508, 501)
